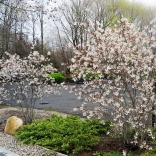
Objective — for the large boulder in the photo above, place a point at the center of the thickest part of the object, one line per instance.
(13, 123)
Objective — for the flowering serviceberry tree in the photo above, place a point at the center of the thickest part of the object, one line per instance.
(30, 83)
(116, 65)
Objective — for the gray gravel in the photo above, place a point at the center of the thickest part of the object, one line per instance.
(10, 143)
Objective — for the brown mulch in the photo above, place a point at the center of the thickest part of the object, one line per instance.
(107, 144)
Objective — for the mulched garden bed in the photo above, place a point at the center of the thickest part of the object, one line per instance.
(110, 144)
(107, 144)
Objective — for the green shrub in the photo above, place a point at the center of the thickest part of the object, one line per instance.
(149, 152)
(154, 132)
(96, 154)
(102, 129)
(117, 154)
(132, 154)
(112, 154)
(66, 135)
(59, 78)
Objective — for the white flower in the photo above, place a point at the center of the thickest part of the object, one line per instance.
(75, 109)
(42, 58)
(35, 53)
(73, 60)
(35, 79)
(18, 101)
(124, 153)
(84, 114)
(141, 146)
(108, 133)
(116, 93)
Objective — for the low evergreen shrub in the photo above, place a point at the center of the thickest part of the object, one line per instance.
(107, 154)
(112, 154)
(66, 135)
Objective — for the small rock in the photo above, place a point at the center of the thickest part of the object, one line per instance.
(1, 120)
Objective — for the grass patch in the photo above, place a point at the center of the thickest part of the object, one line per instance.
(3, 106)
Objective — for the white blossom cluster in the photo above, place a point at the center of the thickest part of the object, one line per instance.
(124, 60)
(31, 84)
